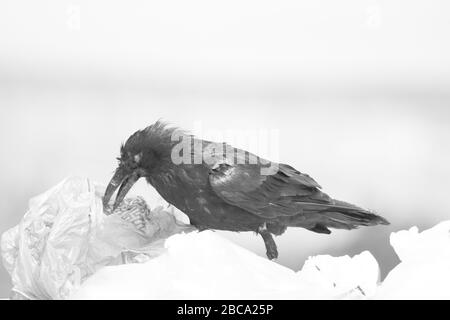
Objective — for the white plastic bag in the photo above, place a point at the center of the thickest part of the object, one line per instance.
(64, 238)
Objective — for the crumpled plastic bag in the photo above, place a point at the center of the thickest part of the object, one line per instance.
(64, 238)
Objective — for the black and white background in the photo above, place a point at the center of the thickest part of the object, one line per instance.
(359, 92)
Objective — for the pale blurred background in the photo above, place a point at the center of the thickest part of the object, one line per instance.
(359, 91)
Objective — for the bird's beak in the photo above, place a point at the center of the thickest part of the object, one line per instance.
(123, 179)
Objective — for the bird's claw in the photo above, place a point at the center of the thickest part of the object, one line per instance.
(272, 254)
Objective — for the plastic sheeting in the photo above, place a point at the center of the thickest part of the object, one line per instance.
(64, 238)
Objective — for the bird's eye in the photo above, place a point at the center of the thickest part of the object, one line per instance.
(137, 157)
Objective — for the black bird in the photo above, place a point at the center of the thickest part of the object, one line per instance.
(223, 188)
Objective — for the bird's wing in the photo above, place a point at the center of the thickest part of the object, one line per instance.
(284, 192)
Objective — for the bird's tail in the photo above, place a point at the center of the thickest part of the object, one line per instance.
(339, 215)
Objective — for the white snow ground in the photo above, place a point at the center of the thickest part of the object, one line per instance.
(425, 264)
(206, 266)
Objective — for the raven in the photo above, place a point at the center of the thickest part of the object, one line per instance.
(223, 188)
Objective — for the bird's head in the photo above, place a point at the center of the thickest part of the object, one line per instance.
(144, 153)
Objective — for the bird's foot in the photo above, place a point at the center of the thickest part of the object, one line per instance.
(272, 253)
(271, 247)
